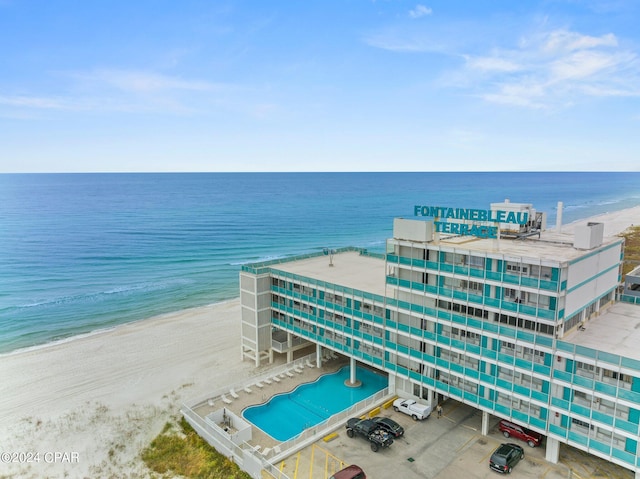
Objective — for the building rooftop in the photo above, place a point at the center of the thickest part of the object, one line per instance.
(616, 331)
(350, 269)
(551, 245)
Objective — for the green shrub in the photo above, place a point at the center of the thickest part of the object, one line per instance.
(186, 454)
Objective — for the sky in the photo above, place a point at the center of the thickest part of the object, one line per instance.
(319, 85)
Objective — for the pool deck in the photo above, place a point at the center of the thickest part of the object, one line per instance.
(270, 387)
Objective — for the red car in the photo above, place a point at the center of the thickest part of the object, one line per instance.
(350, 472)
(510, 429)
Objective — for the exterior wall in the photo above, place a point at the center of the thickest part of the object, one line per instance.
(255, 305)
(591, 277)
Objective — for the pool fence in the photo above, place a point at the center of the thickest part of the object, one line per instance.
(250, 458)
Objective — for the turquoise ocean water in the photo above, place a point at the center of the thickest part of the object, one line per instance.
(82, 252)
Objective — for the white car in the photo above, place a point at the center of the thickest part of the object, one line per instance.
(412, 408)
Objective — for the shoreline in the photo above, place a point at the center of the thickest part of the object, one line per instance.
(106, 394)
(616, 223)
(94, 332)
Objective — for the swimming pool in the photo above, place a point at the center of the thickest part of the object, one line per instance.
(287, 415)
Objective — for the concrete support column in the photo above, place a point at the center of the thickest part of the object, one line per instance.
(318, 355)
(270, 356)
(392, 383)
(485, 423)
(289, 346)
(352, 370)
(553, 450)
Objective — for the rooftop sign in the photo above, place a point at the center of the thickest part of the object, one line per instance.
(485, 216)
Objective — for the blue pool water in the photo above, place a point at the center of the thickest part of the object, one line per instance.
(287, 415)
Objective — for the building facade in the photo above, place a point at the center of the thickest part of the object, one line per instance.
(484, 307)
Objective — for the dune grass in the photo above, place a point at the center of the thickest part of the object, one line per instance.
(179, 451)
(631, 249)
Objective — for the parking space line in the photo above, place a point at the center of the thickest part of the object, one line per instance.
(484, 459)
(466, 442)
(313, 450)
(546, 471)
(295, 468)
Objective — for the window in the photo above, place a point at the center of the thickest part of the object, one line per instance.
(538, 356)
(507, 345)
(471, 286)
(526, 324)
(469, 335)
(510, 293)
(476, 261)
(580, 423)
(572, 321)
(581, 395)
(607, 373)
(517, 268)
(585, 366)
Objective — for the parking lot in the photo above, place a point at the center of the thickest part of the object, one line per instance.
(445, 448)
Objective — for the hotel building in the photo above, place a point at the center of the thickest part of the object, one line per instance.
(487, 307)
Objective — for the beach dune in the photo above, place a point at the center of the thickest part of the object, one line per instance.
(101, 398)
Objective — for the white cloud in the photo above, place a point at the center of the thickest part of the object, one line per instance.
(34, 102)
(123, 91)
(142, 82)
(420, 11)
(492, 64)
(546, 68)
(582, 65)
(563, 41)
(554, 69)
(406, 40)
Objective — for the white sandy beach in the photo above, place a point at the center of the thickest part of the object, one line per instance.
(105, 396)
(102, 398)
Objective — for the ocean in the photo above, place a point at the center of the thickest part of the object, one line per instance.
(84, 252)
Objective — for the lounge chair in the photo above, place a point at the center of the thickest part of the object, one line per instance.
(298, 369)
(226, 400)
(210, 402)
(310, 364)
(233, 393)
(259, 384)
(276, 379)
(268, 381)
(247, 390)
(289, 374)
(266, 451)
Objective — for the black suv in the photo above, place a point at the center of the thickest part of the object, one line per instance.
(505, 457)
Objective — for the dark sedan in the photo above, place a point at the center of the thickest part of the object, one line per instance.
(389, 425)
